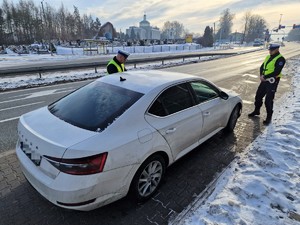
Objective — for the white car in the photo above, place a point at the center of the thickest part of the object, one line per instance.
(118, 134)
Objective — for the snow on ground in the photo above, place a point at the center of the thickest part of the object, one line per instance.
(262, 185)
(30, 80)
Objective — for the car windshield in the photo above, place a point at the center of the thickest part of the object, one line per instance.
(95, 106)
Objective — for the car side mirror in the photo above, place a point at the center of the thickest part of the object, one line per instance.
(224, 95)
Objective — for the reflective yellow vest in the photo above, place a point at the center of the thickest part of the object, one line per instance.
(120, 69)
(270, 67)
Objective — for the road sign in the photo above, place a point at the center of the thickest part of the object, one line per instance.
(281, 26)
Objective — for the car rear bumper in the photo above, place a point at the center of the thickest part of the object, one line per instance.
(77, 192)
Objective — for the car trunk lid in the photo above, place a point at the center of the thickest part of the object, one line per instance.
(41, 133)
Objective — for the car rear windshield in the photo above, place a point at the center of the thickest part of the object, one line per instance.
(95, 106)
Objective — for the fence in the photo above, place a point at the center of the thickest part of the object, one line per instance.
(100, 49)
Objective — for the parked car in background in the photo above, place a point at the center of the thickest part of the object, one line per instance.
(118, 134)
(258, 42)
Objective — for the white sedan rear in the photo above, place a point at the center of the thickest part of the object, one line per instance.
(118, 134)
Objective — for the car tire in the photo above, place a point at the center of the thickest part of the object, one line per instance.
(235, 114)
(148, 178)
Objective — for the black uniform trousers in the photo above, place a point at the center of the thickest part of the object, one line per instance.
(268, 90)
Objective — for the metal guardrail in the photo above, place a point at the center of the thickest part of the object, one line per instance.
(102, 63)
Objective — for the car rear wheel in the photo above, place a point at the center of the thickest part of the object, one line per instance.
(148, 178)
(235, 114)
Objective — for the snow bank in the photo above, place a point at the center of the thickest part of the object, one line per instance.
(262, 185)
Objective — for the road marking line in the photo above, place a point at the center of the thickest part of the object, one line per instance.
(37, 94)
(13, 100)
(14, 118)
(21, 106)
(7, 153)
(26, 89)
(250, 75)
(247, 102)
(250, 82)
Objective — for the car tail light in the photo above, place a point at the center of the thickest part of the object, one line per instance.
(80, 166)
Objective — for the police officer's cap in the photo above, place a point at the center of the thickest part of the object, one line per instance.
(123, 53)
(274, 46)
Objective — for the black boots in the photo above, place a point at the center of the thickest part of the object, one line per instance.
(268, 120)
(254, 113)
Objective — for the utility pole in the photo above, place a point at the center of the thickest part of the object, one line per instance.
(279, 27)
(280, 20)
(214, 35)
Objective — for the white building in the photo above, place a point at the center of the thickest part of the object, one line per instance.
(144, 31)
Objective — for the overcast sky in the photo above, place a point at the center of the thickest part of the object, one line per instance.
(195, 15)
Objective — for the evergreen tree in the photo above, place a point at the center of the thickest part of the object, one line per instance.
(77, 23)
(208, 39)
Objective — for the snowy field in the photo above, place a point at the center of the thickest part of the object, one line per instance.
(260, 187)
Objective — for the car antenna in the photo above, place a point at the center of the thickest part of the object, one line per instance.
(122, 79)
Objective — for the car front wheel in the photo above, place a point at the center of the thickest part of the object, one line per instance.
(148, 178)
(233, 119)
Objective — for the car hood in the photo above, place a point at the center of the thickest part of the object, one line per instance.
(48, 135)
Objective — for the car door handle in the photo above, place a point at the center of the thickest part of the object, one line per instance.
(206, 113)
(171, 130)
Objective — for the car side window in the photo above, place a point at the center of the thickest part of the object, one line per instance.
(204, 91)
(172, 100)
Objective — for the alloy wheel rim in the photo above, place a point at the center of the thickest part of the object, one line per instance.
(150, 178)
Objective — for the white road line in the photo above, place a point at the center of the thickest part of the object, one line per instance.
(12, 100)
(247, 102)
(7, 153)
(36, 94)
(19, 106)
(56, 85)
(10, 119)
(250, 75)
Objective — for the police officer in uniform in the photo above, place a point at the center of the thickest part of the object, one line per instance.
(270, 74)
(116, 65)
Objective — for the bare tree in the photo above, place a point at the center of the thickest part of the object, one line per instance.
(254, 27)
(2, 25)
(61, 23)
(7, 15)
(25, 22)
(246, 20)
(225, 24)
(172, 29)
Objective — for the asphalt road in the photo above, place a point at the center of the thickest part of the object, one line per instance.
(20, 203)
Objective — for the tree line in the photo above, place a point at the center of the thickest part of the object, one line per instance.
(26, 23)
(254, 27)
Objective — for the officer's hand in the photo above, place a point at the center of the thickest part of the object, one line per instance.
(262, 78)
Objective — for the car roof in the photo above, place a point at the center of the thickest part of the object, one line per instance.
(144, 81)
